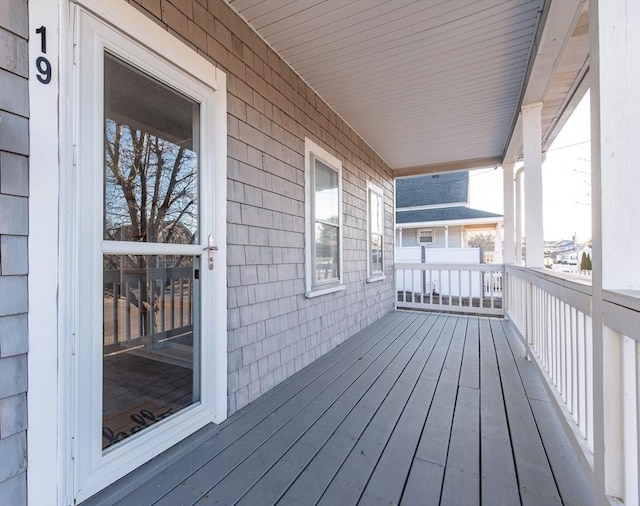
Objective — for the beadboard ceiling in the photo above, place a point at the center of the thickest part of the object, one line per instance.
(426, 83)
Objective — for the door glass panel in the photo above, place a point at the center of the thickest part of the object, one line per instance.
(151, 159)
(150, 344)
(150, 302)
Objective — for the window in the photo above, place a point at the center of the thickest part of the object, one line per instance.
(375, 238)
(425, 236)
(323, 219)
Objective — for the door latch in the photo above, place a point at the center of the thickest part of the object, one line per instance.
(211, 249)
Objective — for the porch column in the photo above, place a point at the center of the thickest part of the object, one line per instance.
(498, 247)
(519, 216)
(615, 186)
(446, 236)
(532, 148)
(508, 228)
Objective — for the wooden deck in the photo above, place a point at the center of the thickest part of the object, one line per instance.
(417, 409)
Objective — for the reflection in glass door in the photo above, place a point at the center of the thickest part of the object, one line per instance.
(151, 303)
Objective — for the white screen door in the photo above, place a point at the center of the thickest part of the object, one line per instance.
(147, 312)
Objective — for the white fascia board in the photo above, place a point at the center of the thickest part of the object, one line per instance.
(551, 41)
(433, 206)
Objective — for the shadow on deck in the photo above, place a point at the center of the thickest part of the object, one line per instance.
(416, 409)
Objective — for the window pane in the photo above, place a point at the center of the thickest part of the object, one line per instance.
(376, 212)
(149, 302)
(376, 254)
(150, 159)
(326, 252)
(326, 193)
(426, 236)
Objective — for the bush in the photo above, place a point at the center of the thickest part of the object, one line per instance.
(585, 262)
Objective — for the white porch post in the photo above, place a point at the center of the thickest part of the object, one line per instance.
(508, 229)
(615, 169)
(519, 216)
(532, 148)
(446, 236)
(497, 250)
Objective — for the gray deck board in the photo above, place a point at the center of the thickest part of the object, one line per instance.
(462, 473)
(417, 409)
(499, 484)
(352, 423)
(537, 483)
(572, 483)
(311, 403)
(267, 411)
(348, 484)
(314, 422)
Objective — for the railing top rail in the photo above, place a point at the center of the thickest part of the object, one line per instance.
(448, 267)
(579, 284)
(576, 294)
(629, 299)
(621, 310)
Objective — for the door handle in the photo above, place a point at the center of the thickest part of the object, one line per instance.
(211, 250)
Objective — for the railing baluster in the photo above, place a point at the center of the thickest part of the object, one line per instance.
(172, 307)
(127, 313)
(115, 312)
(162, 302)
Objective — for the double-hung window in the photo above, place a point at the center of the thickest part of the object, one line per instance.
(425, 236)
(323, 248)
(375, 265)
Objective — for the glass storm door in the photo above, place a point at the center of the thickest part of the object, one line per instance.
(150, 339)
(151, 302)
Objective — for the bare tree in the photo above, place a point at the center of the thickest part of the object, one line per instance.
(150, 195)
(484, 240)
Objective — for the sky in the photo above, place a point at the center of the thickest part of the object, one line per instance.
(566, 182)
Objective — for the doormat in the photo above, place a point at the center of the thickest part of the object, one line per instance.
(132, 419)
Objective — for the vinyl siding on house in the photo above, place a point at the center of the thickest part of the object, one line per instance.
(410, 237)
(14, 192)
(273, 329)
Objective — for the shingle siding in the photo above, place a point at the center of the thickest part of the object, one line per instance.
(14, 189)
(273, 330)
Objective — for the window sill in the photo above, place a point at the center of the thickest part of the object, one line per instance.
(373, 279)
(317, 292)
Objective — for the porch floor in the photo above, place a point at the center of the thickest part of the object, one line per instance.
(416, 409)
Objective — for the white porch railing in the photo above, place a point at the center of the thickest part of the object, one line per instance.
(466, 288)
(554, 316)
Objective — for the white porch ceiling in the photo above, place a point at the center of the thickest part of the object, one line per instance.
(424, 82)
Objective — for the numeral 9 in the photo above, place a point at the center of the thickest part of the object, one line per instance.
(44, 68)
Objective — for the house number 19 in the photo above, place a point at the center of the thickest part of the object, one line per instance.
(43, 65)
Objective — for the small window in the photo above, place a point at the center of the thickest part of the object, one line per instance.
(425, 236)
(323, 248)
(375, 265)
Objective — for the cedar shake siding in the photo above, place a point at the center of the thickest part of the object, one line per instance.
(273, 329)
(14, 191)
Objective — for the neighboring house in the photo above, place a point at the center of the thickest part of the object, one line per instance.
(433, 211)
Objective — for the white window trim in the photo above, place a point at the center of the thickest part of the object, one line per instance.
(433, 235)
(371, 187)
(313, 151)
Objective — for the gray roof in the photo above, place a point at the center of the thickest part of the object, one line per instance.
(443, 214)
(433, 189)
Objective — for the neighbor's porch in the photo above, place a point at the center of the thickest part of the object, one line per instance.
(419, 408)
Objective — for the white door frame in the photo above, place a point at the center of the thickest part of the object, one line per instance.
(53, 212)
